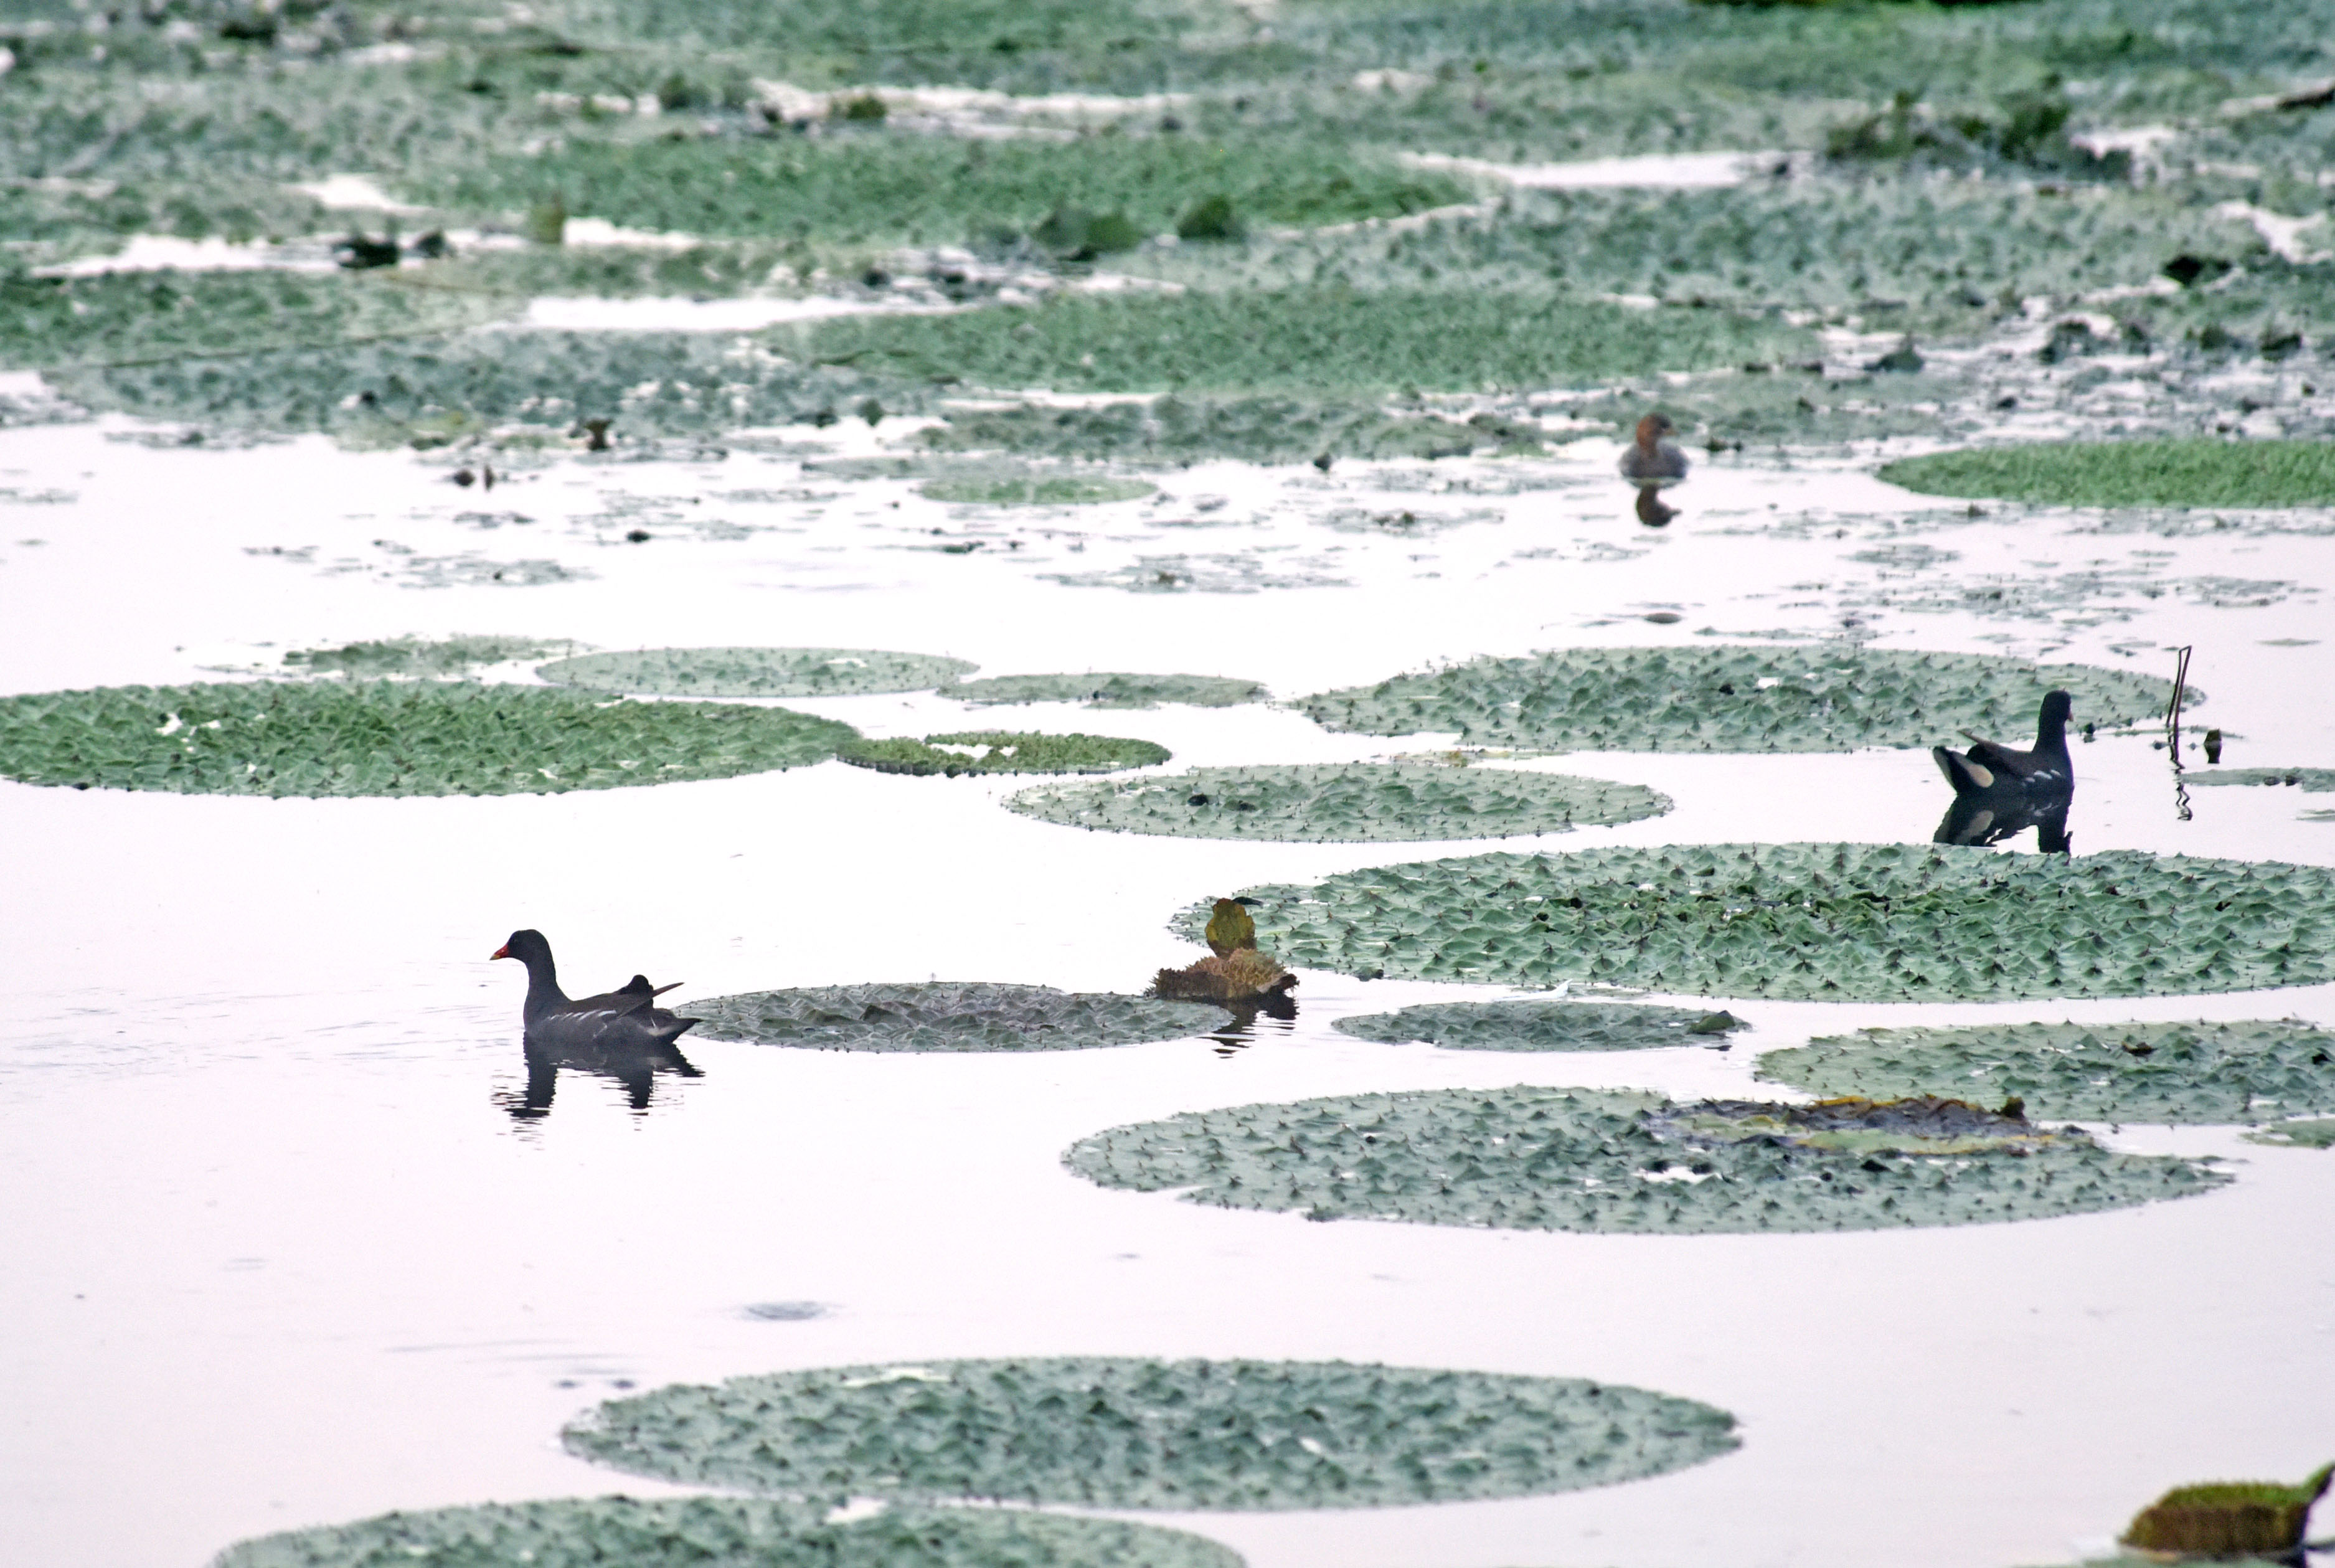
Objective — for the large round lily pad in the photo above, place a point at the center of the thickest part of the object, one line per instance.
(948, 1015)
(725, 1532)
(1110, 690)
(1004, 751)
(1342, 803)
(1543, 1024)
(1536, 1158)
(2144, 1072)
(756, 672)
(1726, 698)
(1817, 921)
(2182, 471)
(1125, 1433)
(390, 738)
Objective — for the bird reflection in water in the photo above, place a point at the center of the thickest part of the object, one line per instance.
(1278, 1008)
(1999, 793)
(635, 1069)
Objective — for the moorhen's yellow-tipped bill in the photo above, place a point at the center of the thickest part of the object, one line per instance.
(502, 952)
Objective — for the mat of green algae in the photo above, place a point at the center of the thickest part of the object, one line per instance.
(1342, 803)
(335, 738)
(134, 318)
(896, 188)
(2196, 472)
(1132, 1433)
(1259, 429)
(1116, 690)
(1309, 341)
(525, 386)
(981, 751)
(757, 671)
(1817, 921)
(1540, 1159)
(948, 1015)
(732, 1531)
(1732, 698)
(1543, 1024)
(2116, 1072)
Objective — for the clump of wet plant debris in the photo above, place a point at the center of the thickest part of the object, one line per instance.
(2229, 1518)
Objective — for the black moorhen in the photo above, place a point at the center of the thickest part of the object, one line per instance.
(623, 1020)
(1999, 792)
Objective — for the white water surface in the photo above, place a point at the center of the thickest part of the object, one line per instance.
(275, 1255)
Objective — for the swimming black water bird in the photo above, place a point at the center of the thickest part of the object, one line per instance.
(1230, 929)
(616, 1021)
(1653, 462)
(1999, 792)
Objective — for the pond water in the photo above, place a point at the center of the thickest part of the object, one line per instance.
(287, 1243)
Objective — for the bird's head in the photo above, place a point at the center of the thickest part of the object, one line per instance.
(524, 945)
(1652, 428)
(2057, 707)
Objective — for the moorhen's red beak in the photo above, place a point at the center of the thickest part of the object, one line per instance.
(502, 952)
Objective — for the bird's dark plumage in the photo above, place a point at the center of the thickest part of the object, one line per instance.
(616, 1021)
(1999, 792)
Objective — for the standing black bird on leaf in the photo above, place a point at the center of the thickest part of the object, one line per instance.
(1999, 792)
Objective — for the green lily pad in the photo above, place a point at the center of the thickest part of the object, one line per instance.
(727, 1532)
(2314, 1134)
(2182, 472)
(1036, 490)
(1111, 691)
(1723, 698)
(1004, 751)
(1536, 1158)
(948, 1015)
(757, 671)
(416, 656)
(1342, 803)
(1817, 921)
(1126, 1433)
(1543, 1025)
(2144, 1072)
(328, 738)
(2312, 780)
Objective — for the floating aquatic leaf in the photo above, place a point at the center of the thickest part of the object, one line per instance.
(756, 672)
(1820, 922)
(1004, 751)
(730, 1532)
(390, 738)
(1734, 699)
(416, 656)
(2144, 1072)
(2191, 472)
(1110, 690)
(1126, 1433)
(2312, 780)
(1543, 1025)
(2318, 1133)
(948, 1015)
(1538, 1158)
(1342, 803)
(1037, 491)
